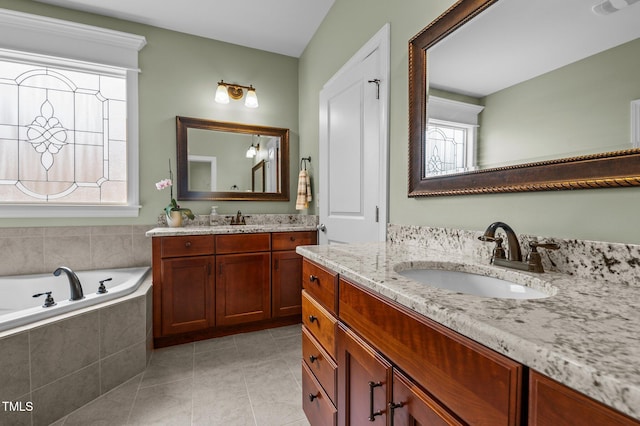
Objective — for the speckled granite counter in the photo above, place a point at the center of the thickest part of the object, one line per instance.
(255, 223)
(585, 336)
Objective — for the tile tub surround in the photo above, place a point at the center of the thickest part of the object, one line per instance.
(40, 250)
(63, 364)
(585, 336)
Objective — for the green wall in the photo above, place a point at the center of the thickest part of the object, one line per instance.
(179, 77)
(554, 115)
(600, 214)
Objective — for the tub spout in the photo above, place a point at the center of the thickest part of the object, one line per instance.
(74, 282)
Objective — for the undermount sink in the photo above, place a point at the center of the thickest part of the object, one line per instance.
(469, 283)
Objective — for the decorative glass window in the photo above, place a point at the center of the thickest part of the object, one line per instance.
(447, 148)
(68, 119)
(63, 136)
(451, 135)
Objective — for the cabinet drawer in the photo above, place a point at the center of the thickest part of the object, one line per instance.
(242, 243)
(291, 240)
(457, 371)
(321, 283)
(319, 363)
(315, 403)
(320, 323)
(188, 245)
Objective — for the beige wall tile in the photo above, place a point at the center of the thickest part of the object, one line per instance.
(21, 254)
(71, 251)
(122, 366)
(122, 325)
(14, 367)
(63, 347)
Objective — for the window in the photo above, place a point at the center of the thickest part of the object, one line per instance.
(450, 136)
(68, 125)
(449, 148)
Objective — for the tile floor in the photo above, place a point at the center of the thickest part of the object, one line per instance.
(246, 379)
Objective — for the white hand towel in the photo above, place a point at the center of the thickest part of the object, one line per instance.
(304, 191)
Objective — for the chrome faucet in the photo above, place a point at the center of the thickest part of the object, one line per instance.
(514, 259)
(74, 282)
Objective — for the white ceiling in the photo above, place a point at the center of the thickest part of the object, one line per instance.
(515, 40)
(279, 26)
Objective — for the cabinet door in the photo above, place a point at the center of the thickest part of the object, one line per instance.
(551, 403)
(187, 294)
(363, 382)
(286, 283)
(411, 406)
(243, 288)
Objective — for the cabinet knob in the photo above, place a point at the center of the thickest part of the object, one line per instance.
(312, 318)
(312, 278)
(187, 244)
(312, 396)
(292, 238)
(312, 358)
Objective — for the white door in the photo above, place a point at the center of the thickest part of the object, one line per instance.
(353, 163)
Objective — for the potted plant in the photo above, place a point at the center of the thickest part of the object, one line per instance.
(173, 211)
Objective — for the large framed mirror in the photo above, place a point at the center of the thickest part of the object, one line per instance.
(548, 93)
(231, 161)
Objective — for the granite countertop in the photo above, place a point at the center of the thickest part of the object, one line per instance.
(228, 229)
(585, 336)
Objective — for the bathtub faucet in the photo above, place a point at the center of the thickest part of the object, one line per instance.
(74, 282)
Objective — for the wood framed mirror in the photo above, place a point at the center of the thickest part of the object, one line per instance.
(221, 161)
(603, 167)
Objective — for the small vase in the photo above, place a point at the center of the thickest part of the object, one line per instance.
(174, 220)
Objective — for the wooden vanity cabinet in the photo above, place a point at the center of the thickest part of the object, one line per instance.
(286, 267)
(455, 372)
(243, 278)
(185, 294)
(552, 403)
(212, 285)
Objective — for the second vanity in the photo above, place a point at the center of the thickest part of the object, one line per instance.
(210, 281)
(380, 348)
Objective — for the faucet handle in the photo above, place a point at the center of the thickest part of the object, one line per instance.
(498, 250)
(534, 260)
(549, 246)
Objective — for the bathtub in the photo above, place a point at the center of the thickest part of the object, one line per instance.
(18, 307)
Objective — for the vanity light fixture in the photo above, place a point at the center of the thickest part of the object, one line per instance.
(236, 92)
(253, 149)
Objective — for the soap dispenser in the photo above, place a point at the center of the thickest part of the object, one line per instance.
(213, 216)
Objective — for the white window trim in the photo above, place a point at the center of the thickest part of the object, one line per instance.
(54, 37)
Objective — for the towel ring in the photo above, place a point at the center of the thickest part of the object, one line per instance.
(303, 162)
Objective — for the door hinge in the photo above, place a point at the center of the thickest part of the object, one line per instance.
(377, 214)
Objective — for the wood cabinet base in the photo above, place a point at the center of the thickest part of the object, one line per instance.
(178, 339)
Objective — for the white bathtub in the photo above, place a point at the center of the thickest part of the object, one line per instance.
(18, 306)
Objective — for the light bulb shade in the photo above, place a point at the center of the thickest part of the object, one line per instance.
(251, 101)
(251, 152)
(222, 96)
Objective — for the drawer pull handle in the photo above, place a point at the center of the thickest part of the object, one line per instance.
(292, 238)
(312, 318)
(392, 407)
(312, 278)
(372, 414)
(312, 358)
(312, 396)
(187, 244)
